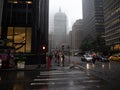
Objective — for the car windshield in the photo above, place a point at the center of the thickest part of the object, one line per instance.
(87, 55)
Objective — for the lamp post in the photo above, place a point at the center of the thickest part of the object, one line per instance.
(62, 48)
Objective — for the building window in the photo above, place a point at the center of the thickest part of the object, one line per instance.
(20, 38)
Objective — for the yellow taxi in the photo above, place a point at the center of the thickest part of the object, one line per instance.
(114, 57)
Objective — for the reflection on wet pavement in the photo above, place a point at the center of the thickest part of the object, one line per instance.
(13, 80)
(63, 78)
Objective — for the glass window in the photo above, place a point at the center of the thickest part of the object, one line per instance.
(20, 38)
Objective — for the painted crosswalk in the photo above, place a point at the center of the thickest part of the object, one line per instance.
(64, 80)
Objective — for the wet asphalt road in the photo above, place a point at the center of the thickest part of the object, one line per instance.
(60, 79)
(16, 80)
(64, 79)
(85, 76)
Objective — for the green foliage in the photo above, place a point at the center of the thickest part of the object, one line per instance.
(97, 44)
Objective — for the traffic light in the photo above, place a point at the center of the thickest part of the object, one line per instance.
(44, 48)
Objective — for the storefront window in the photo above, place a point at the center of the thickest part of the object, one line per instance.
(20, 38)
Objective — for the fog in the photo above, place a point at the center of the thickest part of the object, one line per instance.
(72, 8)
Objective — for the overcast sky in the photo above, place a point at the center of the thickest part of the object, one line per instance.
(72, 8)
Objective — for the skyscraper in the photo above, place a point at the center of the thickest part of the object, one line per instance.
(93, 21)
(60, 29)
(77, 34)
(93, 17)
(112, 22)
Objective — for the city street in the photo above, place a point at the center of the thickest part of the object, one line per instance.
(77, 76)
(59, 44)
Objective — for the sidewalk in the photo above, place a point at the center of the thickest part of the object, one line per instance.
(27, 67)
(33, 67)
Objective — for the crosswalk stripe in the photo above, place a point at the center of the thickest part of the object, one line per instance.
(53, 73)
(62, 78)
(91, 81)
(35, 83)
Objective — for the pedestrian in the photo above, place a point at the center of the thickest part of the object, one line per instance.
(51, 57)
(63, 59)
(11, 58)
(58, 59)
(4, 57)
(94, 56)
(48, 61)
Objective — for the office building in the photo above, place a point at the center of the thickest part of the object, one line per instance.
(25, 24)
(77, 35)
(60, 29)
(112, 23)
(93, 24)
(93, 18)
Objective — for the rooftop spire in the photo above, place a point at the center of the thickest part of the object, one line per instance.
(59, 9)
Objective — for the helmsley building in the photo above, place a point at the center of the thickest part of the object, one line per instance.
(25, 24)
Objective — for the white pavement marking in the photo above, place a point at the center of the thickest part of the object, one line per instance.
(72, 79)
(55, 73)
(48, 79)
(51, 83)
(55, 79)
(91, 81)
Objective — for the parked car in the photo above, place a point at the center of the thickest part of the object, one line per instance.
(83, 58)
(76, 54)
(103, 59)
(114, 57)
(87, 58)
